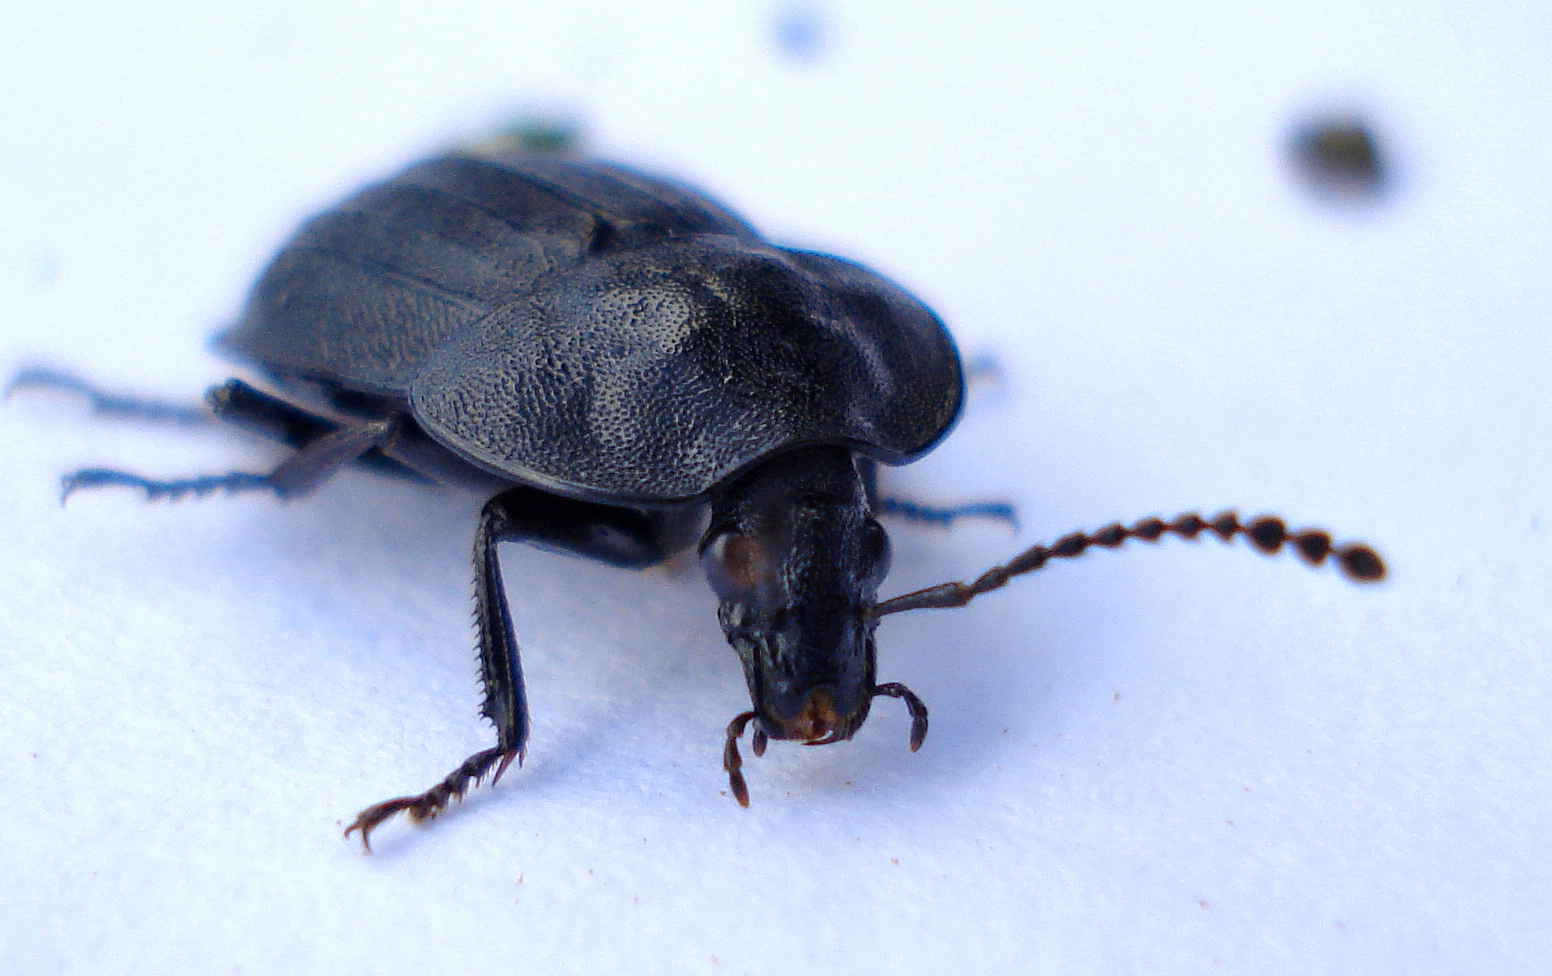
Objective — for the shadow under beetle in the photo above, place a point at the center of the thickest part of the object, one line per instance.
(622, 366)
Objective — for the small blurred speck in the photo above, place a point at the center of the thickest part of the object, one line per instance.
(799, 32)
(1339, 159)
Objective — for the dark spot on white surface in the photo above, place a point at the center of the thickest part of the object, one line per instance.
(1338, 158)
(799, 32)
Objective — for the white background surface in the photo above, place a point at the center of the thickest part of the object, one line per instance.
(1173, 760)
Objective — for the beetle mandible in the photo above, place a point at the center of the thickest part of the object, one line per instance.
(625, 369)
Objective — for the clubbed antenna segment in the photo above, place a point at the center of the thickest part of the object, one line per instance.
(1269, 534)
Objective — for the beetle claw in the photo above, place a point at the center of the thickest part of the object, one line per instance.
(377, 814)
(517, 754)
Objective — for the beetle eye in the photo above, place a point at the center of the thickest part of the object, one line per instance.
(738, 566)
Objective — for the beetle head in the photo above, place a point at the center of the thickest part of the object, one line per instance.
(796, 557)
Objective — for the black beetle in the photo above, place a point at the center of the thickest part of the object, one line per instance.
(623, 367)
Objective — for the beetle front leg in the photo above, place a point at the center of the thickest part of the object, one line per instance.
(501, 672)
(432, 802)
(621, 537)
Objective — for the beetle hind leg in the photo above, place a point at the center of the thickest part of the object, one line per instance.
(104, 402)
(156, 490)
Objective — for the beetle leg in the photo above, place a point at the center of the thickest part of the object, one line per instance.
(501, 663)
(936, 515)
(103, 402)
(235, 402)
(432, 802)
(319, 460)
(946, 515)
(619, 536)
(267, 415)
(501, 672)
(250, 408)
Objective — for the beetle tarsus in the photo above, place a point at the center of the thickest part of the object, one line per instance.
(105, 403)
(947, 515)
(431, 803)
(319, 460)
(1268, 533)
(170, 490)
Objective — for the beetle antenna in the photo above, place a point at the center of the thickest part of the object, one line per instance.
(1358, 562)
(733, 762)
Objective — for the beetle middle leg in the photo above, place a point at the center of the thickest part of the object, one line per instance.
(936, 515)
(324, 445)
(622, 537)
(299, 474)
(946, 515)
